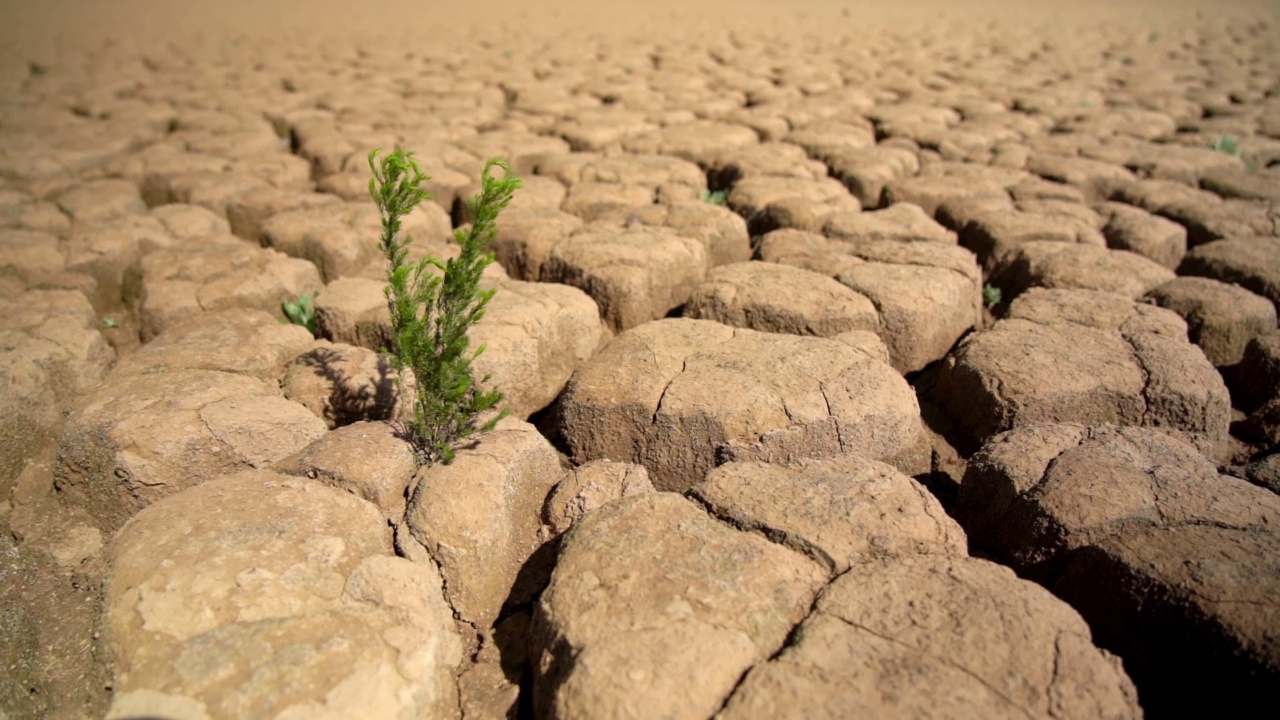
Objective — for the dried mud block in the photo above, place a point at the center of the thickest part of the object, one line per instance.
(651, 171)
(825, 137)
(342, 239)
(592, 486)
(929, 193)
(291, 590)
(866, 172)
(51, 355)
(768, 159)
(927, 294)
(1072, 266)
(342, 384)
(1250, 262)
(634, 276)
(536, 335)
(1089, 357)
(901, 222)
(367, 459)
(839, 512)
(936, 636)
(637, 615)
(1097, 179)
(1221, 318)
(525, 237)
(101, 201)
(602, 129)
(1206, 216)
(170, 286)
(1151, 236)
(481, 520)
(247, 214)
(1169, 561)
(699, 141)
(769, 203)
(1238, 184)
(770, 297)
(993, 233)
(681, 396)
(1258, 377)
(589, 199)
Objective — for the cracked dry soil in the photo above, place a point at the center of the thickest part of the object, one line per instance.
(712, 499)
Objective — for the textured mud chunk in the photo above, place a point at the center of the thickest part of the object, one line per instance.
(1211, 588)
(101, 200)
(929, 193)
(680, 396)
(634, 276)
(1068, 266)
(290, 590)
(342, 239)
(591, 487)
(1151, 236)
(994, 233)
(170, 286)
(700, 141)
(1250, 262)
(342, 384)
(770, 202)
(839, 512)
(1090, 357)
(51, 355)
(1221, 318)
(656, 610)
(927, 294)
(902, 222)
(367, 459)
(1037, 493)
(1169, 561)
(937, 636)
(480, 518)
(779, 298)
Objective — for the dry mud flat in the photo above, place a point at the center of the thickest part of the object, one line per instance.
(777, 449)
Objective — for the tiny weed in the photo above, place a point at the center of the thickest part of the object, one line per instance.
(1228, 145)
(302, 311)
(508, 54)
(991, 296)
(1153, 36)
(433, 304)
(108, 322)
(718, 197)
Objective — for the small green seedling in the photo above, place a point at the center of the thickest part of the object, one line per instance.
(302, 311)
(433, 304)
(1153, 36)
(1228, 145)
(991, 296)
(717, 197)
(108, 322)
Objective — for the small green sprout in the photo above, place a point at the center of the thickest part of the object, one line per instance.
(717, 197)
(1228, 145)
(991, 296)
(302, 311)
(108, 322)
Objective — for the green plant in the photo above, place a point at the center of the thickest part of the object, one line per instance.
(434, 303)
(108, 322)
(991, 296)
(717, 197)
(302, 311)
(1227, 144)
